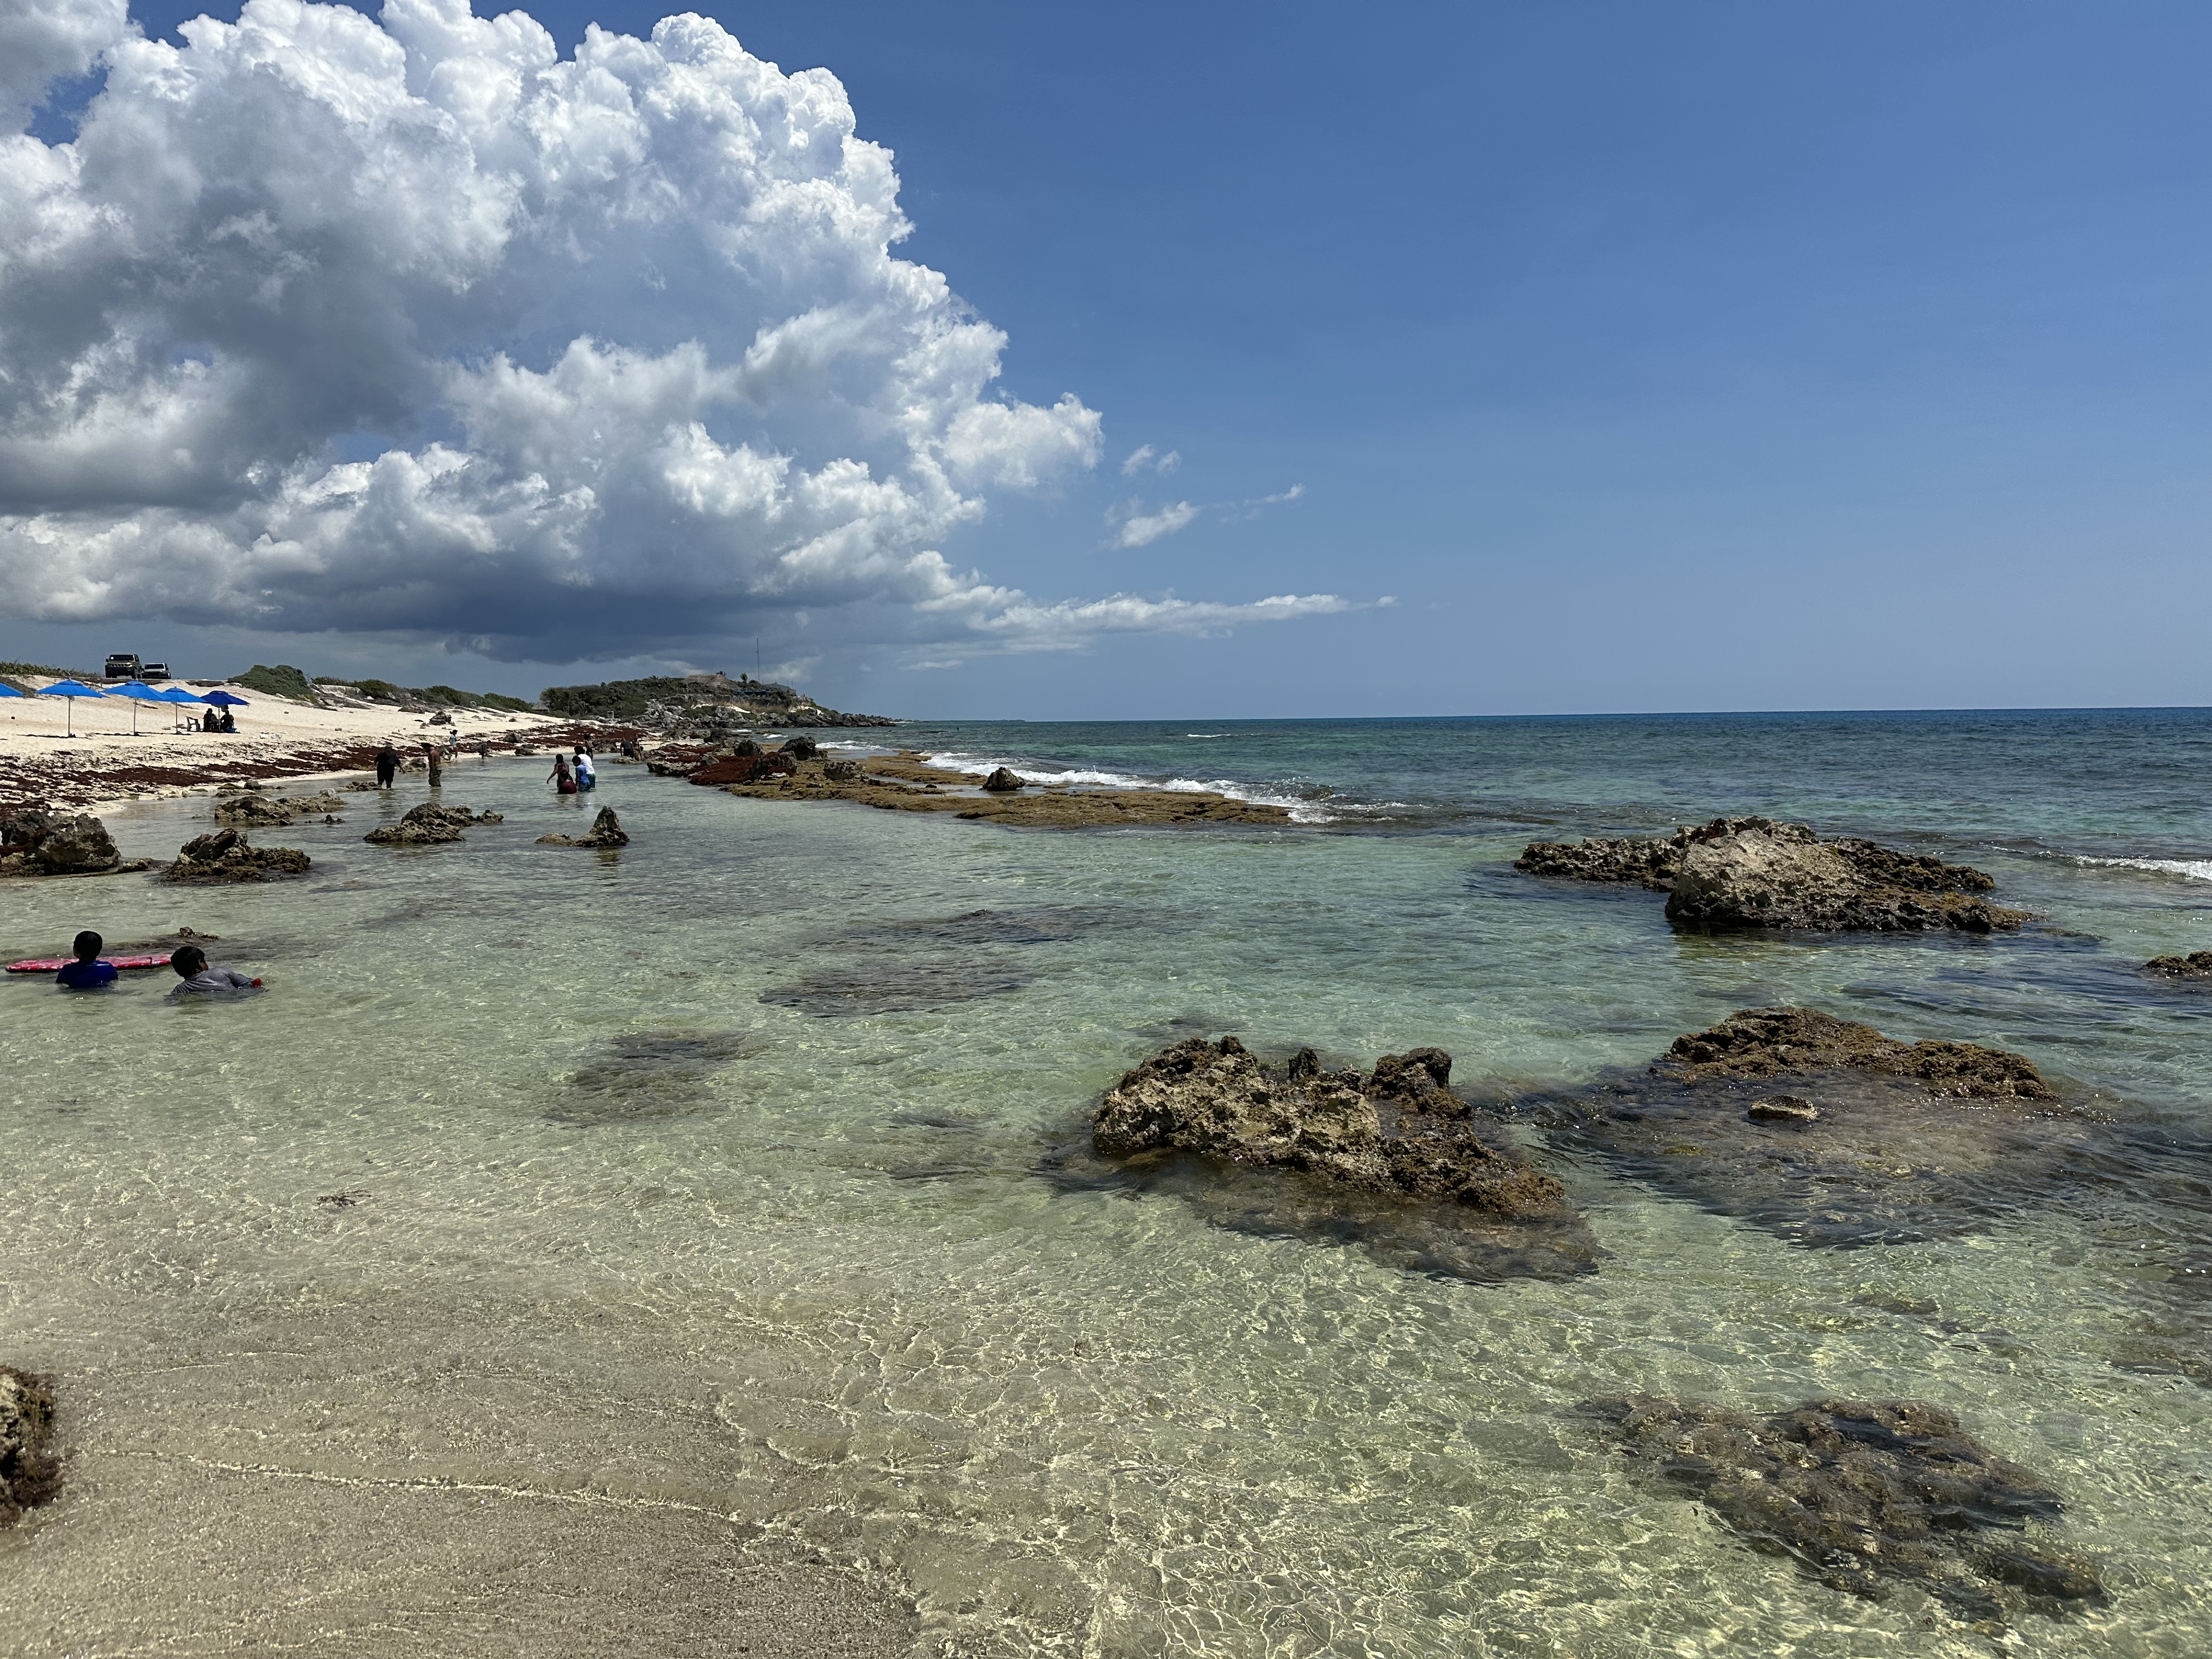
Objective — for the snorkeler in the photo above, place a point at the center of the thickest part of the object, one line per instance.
(88, 972)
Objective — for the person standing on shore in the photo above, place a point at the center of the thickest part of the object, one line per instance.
(561, 778)
(387, 766)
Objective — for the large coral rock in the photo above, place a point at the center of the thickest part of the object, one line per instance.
(428, 824)
(253, 811)
(226, 856)
(1757, 872)
(1395, 1162)
(606, 831)
(1863, 1493)
(1766, 1043)
(1781, 875)
(1218, 1100)
(29, 1472)
(77, 846)
(327, 801)
(2198, 964)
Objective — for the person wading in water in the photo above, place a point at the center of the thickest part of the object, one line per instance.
(387, 766)
(561, 778)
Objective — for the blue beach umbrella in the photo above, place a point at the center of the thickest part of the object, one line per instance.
(224, 699)
(178, 694)
(138, 691)
(8, 690)
(72, 689)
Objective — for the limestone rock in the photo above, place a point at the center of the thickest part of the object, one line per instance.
(1782, 1108)
(1002, 781)
(77, 846)
(325, 801)
(755, 767)
(2198, 964)
(801, 748)
(253, 811)
(1757, 872)
(1865, 1493)
(1781, 875)
(1761, 1042)
(428, 824)
(29, 1472)
(606, 831)
(225, 856)
(841, 771)
(1218, 1100)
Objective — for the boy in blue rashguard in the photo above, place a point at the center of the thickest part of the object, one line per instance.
(88, 972)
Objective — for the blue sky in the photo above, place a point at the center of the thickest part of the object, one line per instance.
(1682, 357)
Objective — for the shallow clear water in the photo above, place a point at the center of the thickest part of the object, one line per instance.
(713, 1178)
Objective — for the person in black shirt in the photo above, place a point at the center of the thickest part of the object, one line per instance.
(88, 972)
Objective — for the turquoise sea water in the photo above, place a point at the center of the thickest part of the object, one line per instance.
(709, 1186)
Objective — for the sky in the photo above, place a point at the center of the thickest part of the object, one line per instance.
(1234, 361)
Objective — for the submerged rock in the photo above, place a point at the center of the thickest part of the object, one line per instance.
(327, 801)
(1003, 780)
(606, 830)
(29, 1474)
(1374, 1144)
(1763, 1042)
(1876, 1140)
(2198, 964)
(428, 824)
(225, 856)
(253, 811)
(1865, 1493)
(1757, 872)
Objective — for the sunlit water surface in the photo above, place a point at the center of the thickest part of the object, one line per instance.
(713, 1178)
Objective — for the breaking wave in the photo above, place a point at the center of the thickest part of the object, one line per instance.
(1301, 809)
(2193, 869)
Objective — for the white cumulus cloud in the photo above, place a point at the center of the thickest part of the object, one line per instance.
(411, 324)
(1141, 529)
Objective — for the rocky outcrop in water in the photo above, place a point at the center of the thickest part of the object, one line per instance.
(1768, 1042)
(1827, 1132)
(253, 811)
(1398, 1134)
(2198, 964)
(1865, 1494)
(907, 782)
(29, 1472)
(226, 856)
(1754, 872)
(1002, 781)
(427, 825)
(801, 748)
(606, 831)
(841, 771)
(33, 842)
(327, 801)
(744, 768)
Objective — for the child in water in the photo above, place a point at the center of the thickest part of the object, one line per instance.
(560, 776)
(189, 964)
(586, 777)
(88, 972)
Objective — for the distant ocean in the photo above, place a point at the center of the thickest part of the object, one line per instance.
(719, 1178)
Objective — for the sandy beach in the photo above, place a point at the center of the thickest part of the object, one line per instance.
(84, 754)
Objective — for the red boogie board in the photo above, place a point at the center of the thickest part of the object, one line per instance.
(55, 964)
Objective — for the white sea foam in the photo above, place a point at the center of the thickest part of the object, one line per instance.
(1301, 811)
(2194, 869)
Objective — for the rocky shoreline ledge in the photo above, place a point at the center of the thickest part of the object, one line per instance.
(907, 782)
